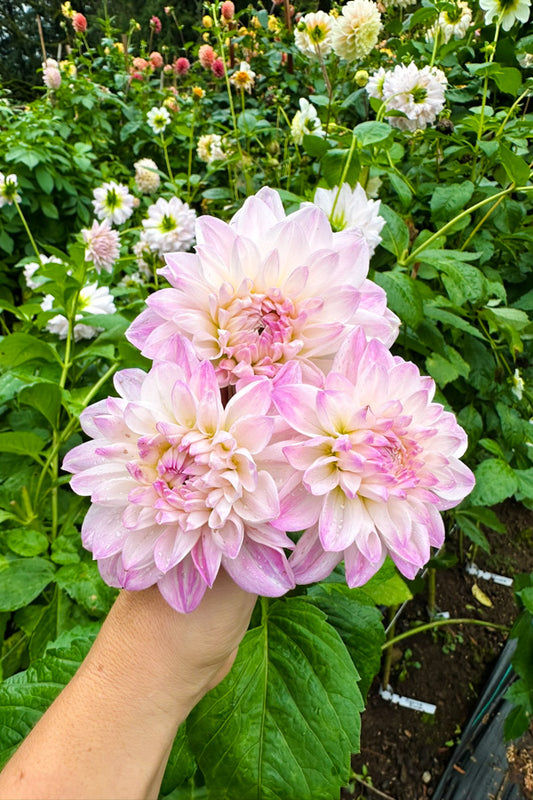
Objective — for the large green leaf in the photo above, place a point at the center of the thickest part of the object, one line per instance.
(359, 626)
(395, 234)
(448, 200)
(495, 481)
(403, 296)
(17, 348)
(22, 580)
(26, 696)
(284, 722)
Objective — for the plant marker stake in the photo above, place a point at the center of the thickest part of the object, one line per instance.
(503, 580)
(406, 702)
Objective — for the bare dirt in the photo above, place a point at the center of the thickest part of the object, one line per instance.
(404, 752)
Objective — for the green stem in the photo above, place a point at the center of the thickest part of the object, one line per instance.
(189, 163)
(32, 240)
(387, 660)
(435, 45)
(432, 590)
(509, 113)
(460, 216)
(438, 623)
(343, 176)
(484, 101)
(167, 162)
(482, 222)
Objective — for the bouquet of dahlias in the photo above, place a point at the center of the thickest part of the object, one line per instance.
(274, 406)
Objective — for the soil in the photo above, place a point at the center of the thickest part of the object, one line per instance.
(404, 752)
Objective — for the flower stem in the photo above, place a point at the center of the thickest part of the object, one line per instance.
(438, 623)
(344, 174)
(26, 226)
(484, 100)
(165, 151)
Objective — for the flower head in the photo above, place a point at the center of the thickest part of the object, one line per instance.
(454, 22)
(34, 281)
(306, 121)
(169, 226)
(8, 190)
(206, 56)
(181, 66)
(51, 74)
(147, 176)
(243, 77)
(417, 93)
(350, 208)
(102, 245)
(178, 485)
(376, 460)
(158, 119)
(217, 68)
(79, 23)
(507, 11)
(263, 290)
(227, 10)
(210, 148)
(113, 201)
(155, 24)
(156, 60)
(93, 299)
(313, 34)
(355, 31)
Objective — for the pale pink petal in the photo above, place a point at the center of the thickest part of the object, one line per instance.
(260, 570)
(183, 587)
(310, 562)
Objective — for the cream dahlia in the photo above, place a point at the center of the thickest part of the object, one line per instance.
(507, 11)
(355, 31)
(306, 121)
(350, 208)
(147, 177)
(93, 299)
(313, 34)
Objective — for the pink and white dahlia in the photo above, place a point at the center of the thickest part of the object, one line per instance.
(178, 486)
(102, 245)
(169, 226)
(350, 208)
(51, 74)
(260, 291)
(375, 462)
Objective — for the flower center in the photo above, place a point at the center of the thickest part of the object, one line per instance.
(113, 200)
(167, 224)
(419, 94)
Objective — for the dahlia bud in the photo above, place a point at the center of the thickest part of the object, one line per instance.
(444, 125)
(207, 22)
(79, 23)
(167, 10)
(361, 77)
(227, 9)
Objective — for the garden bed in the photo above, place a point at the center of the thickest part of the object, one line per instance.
(404, 752)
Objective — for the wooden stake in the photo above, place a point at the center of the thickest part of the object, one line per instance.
(41, 37)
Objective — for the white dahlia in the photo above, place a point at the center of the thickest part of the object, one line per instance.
(147, 177)
(417, 93)
(158, 119)
(113, 201)
(169, 226)
(454, 22)
(313, 34)
(34, 281)
(507, 11)
(355, 31)
(350, 208)
(210, 148)
(93, 299)
(306, 121)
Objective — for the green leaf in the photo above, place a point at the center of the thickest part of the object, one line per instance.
(21, 442)
(516, 168)
(403, 296)
(395, 234)
(474, 533)
(495, 481)
(25, 697)
(445, 370)
(25, 542)
(17, 348)
(508, 80)
(49, 209)
(217, 193)
(447, 201)
(44, 179)
(45, 397)
(386, 587)
(180, 765)
(22, 580)
(464, 282)
(286, 719)
(315, 146)
(333, 164)
(359, 626)
(82, 582)
(369, 133)
(471, 420)
(525, 483)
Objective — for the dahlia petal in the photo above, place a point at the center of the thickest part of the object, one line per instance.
(252, 401)
(229, 538)
(335, 525)
(322, 476)
(298, 509)
(310, 562)
(260, 570)
(253, 433)
(141, 327)
(138, 550)
(128, 383)
(139, 578)
(263, 504)
(172, 546)
(183, 587)
(357, 568)
(297, 406)
(207, 556)
(102, 530)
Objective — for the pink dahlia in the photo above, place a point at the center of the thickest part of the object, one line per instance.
(156, 59)
(262, 290)
(102, 245)
(181, 66)
(79, 23)
(178, 485)
(155, 24)
(217, 68)
(206, 56)
(375, 462)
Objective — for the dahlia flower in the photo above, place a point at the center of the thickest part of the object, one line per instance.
(181, 66)
(376, 462)
(417, 93)
(93, 299)
(113, 201)
(169, 226)
(155, 24)
(507, 11)
(178, 486)
(79, 23)
(217, 68)
(227, 10)
(147, 177)
(350, 208)
(243, 77)
(262, 290)
(158, 119)
(453, 22)
(306, 121)
(51, 74)
(102, 245)
(156, 60)
(355, 32)
(32, 267)
(206, 56)
(8, 190)
(210, 148)
(312, 35)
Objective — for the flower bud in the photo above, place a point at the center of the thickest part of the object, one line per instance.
(361, 77)
(207, 22)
